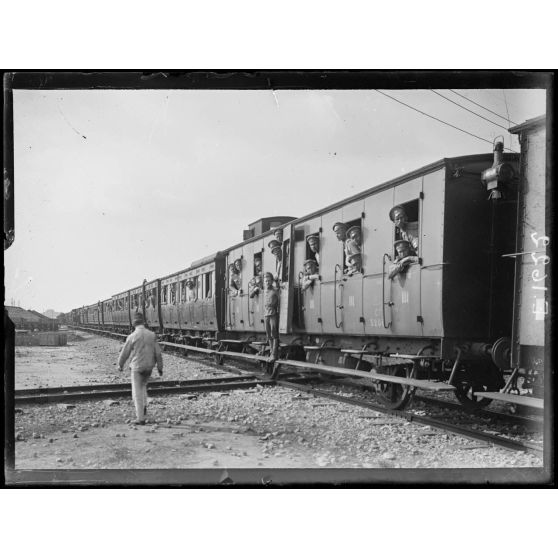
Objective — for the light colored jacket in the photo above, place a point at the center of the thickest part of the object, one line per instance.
(145, 351)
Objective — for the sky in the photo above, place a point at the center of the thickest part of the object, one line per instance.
(116, 186)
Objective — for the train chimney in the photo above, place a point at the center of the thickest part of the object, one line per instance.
(499, 174)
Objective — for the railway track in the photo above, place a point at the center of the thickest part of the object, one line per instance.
(300, 384)
(112, 391)
(516, 445)
(530, 421)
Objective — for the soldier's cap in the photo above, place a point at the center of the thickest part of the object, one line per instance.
(354, 257)
(392, 211)
(268, 274)
(311, 262)
(402, 243)
(352, 230)
(238, 261)
(313, 238)
(138, 319)
(278, 233)
(274, 244)
(339, 225)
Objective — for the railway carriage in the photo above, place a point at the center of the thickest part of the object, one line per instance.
(151, 306)
(107, 319)
(192, 300)
(121, 312)
(451, 305)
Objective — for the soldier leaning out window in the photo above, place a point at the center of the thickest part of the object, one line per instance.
(403, 259)
(234, 278)
(354, 263)
(405, 229)
(255, 285)
(311, 273)
(314, 246)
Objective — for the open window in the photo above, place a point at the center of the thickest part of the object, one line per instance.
(313, 247)
(285, 260)
(164, 294)
(208, 284)
(352, 262)
(199, 285)
(258, 263)
(405, 217)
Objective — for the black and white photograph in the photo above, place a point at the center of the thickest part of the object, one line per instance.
(278, 278)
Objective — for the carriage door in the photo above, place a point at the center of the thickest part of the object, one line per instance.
(405, 287)
(332, 264)
(234, 317)
(307, 302)
(350, 288)
(286, 296)
(255, 255)
(377, 239)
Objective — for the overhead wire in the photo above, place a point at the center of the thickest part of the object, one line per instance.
(483, 107)
(468, 110)
(440, 120)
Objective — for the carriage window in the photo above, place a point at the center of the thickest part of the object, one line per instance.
(405, 218)
(199, 284)
(172, 288)
(353, 247)
(285, 260)
(313, 247)
(164, 294)
(208, 284)
(258, 265)
(183, 291)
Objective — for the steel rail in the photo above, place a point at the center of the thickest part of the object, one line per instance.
(507, 443)
(60, 396)
(485, 413)
(124, 385)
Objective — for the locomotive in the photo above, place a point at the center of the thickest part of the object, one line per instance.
(427, 299)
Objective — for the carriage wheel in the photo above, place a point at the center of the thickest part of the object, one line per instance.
(396, 396)
(467, 382)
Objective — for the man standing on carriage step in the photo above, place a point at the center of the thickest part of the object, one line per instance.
(271, 316)
(145, 352)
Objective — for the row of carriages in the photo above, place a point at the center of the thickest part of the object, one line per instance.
(464, 302)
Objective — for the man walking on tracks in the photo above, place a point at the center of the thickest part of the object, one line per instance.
(142, 346)
(271, 315)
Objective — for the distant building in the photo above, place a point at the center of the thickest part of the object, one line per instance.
(52, 314)
(30, 319)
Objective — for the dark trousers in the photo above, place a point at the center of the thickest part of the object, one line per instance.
(272, 333)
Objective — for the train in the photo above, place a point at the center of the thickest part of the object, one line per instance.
(413, 284)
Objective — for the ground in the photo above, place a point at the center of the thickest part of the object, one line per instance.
(260, 427)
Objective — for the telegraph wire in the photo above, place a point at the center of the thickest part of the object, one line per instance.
(471, 111)
(483, 107)
(439, 120)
